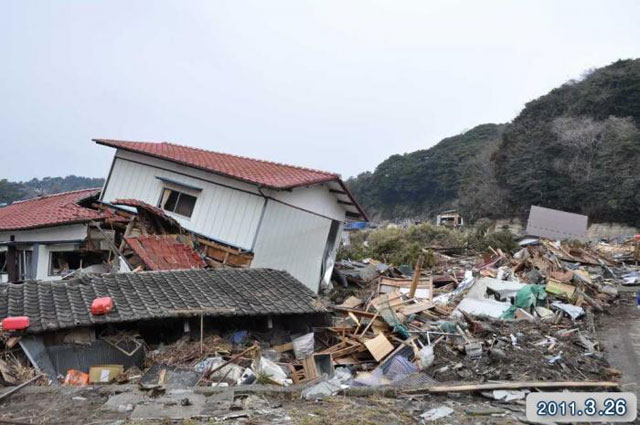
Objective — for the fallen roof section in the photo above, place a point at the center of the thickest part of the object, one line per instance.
(49, 210)
(163, 252)
(56, 305)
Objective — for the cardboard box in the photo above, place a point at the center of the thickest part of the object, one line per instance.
(103, 374)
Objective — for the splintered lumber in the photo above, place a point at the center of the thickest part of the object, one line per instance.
(379, 347)
(284, 347)
(231, 360)
(19, 387)
(355, 312)
(512, 386)
(351, 302)
(416, 277)
(416, 308)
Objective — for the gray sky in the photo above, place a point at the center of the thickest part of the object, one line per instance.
(335, 85)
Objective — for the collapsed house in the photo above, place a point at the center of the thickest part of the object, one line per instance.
(284, 217)
(45, 238)
(64, 333)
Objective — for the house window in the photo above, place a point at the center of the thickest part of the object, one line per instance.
(177, 202)
(3, 262)
(24, 264)
(63, 262)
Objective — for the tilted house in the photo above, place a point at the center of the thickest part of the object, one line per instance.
(290, 218)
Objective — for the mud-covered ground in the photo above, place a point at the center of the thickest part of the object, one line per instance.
(60, 407)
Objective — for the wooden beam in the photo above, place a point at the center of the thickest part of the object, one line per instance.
(416, 277)
(513, 386)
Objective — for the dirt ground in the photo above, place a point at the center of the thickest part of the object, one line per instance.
(618, 329)
(619, 333)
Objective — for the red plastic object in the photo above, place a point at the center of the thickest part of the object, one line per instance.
(16, 323)
(102, 305)
(637, 237)
(75, 377)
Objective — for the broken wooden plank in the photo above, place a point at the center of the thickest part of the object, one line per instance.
(416, 277)
(351, 302)
(416, 308)
(379, 347)
(512, 386)
(283, 347)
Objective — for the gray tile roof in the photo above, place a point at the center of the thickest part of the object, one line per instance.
(156, 294)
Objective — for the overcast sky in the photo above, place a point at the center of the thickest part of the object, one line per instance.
(335, 85)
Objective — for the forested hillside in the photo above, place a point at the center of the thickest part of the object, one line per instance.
(425, 181)
(14, 191)
(576, 148)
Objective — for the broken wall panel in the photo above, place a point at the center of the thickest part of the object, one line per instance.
(556, 224)
(292, 240)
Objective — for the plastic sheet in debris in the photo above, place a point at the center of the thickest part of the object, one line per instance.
(505, 395)
(391, 371)
(329, 387)
(436, 413)
(573, 311)
(266, 367)
(484, 307)
(528, 296)
(231, 372)
(465, 284)
(632, 278)
(303, 346)
(426, 356)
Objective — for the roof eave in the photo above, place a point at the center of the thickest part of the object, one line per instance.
(44, 226)
(329, 178)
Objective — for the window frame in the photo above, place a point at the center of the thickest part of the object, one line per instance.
(180, 193)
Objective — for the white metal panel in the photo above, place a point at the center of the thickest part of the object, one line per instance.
(292, 240)
(222, 213)
(315, 198)
(70, 232)
(184, 169)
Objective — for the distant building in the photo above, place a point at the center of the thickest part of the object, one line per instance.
(450, 218)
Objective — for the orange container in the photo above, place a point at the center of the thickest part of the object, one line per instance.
(75, 377)
(16, 323)
(102, 305)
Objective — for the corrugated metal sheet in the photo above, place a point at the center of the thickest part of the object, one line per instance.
(221, 213)
(555, 224)
(292, 240)
(69, 356)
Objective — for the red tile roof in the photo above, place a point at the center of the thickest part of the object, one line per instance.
(50, 210)
(264, 173)
(165, 253)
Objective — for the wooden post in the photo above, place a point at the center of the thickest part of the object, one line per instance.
(416, 277)
(431, 289)
(201, 333)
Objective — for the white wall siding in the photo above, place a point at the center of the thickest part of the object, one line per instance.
(72, 232)
(221, 212)
(313, 198)
(292, 240)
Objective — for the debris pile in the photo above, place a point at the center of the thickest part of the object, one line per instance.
(521, 316)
